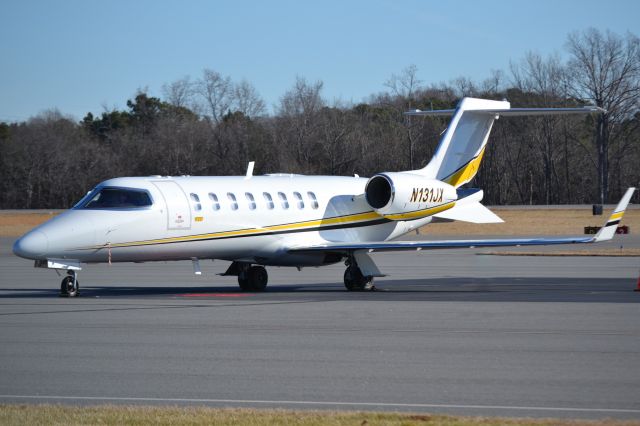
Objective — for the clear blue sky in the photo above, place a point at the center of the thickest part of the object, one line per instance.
(81, 55)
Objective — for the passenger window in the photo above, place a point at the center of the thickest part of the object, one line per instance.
(214, 199)
(299, 198)
(269, 200)
(283, 200)
(196, 202)
(234, 202)
(251, 200)
(314, 200)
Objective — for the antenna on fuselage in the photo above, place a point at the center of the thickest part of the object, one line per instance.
(250, 169)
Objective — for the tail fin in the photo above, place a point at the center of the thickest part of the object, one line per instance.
(461, 148)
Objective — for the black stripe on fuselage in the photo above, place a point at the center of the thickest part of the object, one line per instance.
(257, 234)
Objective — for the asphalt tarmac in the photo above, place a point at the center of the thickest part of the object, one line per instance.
(446, 331)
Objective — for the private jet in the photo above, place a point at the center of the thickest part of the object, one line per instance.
(286, 219)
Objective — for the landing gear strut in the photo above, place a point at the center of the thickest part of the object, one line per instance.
(354, 280)
(253, 278)
(70, 287)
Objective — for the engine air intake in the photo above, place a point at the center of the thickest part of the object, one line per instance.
(378, 191)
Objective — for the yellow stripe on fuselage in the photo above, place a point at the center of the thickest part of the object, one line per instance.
(421, 213)
(324, 222)
(353, 218)
(301, 226)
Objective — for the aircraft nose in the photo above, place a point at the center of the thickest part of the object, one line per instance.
(32, 245)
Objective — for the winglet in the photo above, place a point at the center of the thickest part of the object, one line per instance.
(609, 229)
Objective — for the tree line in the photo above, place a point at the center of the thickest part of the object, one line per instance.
(212, 125)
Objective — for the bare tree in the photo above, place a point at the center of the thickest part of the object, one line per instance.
(303, 99)
(542, 76)
(299, 108)
(404, 88)
(217, 93)
(179, 93)
(464, 87)
(247, 99)
(605, 69)
(545, 79)
(493, 84)
(404, 84)
(335, 128)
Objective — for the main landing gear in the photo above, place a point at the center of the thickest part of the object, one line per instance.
(354, 280)
(70, 287)
(250, 278)
(253, 278)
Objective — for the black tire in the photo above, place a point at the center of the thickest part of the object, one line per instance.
(258, 278)
(67, 289)
(244, 284)
(255, 279)
(354, 280)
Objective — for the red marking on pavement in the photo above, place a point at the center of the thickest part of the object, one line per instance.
(215, 295)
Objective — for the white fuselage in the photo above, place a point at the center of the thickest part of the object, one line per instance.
(197, 217)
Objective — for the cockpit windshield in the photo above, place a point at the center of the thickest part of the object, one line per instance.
(116, 198)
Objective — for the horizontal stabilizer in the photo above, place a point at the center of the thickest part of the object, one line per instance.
(472, 212)
(462, 145)
(514, 112)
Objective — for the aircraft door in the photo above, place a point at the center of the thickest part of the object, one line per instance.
(178, 209)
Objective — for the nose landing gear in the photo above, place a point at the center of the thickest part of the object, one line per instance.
(70, 287)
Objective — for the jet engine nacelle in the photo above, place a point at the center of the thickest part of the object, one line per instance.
(406, 196)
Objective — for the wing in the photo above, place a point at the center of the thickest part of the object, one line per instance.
(606, 233)
(440, 244)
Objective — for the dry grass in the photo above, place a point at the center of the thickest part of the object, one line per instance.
(139, 415)
(517, 222)
(533, 222)
(15, 224)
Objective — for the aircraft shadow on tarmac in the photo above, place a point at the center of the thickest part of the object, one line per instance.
(501, 289)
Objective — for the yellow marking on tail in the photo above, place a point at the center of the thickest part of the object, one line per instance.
(466, 172)
(616, 216)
